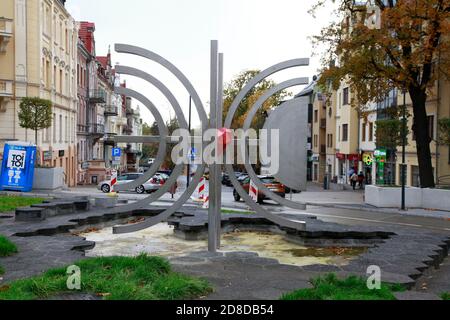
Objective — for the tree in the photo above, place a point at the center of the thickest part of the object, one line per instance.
(233, 88)
(35, 114)
(406, 48)
(150, 150)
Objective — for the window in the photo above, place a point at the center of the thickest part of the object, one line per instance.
(330, 141)
(61, 82)
(60, 128)
(345, 132)
(47, 74)
(316, 116)
(54, 127)
(316, 141)
(371, 131)
(54, 77)
(346, 97)
(431, 127)
(339, 134)
(66, 122)
(364, 132)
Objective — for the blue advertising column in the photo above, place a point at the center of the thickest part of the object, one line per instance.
(17, 171)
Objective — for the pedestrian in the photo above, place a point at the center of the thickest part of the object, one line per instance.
(354, 180)
(361, 179)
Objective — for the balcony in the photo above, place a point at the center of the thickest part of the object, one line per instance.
(128, 130)
(130, 112)
(6, 93)
(108, 139)
(323, 149)
(323, 123)
(82, 129)
(111, 111)
(97, 96)
(5, 33)
(96, 129)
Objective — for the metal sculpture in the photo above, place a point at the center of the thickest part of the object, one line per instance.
(214, 122)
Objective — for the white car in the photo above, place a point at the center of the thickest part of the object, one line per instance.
(153, 185)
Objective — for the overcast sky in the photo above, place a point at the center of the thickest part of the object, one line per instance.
(252, 34)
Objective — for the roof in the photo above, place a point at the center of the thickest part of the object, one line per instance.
(86, 35)
(307, 90)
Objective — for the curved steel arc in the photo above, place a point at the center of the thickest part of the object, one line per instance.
(248, 121)
(160, 86)
(163, 144)
(166, 214)
(261, 76)
(259, 209)
(124, 48)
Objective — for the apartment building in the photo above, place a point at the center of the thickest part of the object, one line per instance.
(38, 53)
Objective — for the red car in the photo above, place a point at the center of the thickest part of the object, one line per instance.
(269, 182)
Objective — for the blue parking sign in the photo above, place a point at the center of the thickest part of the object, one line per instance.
(116, 152)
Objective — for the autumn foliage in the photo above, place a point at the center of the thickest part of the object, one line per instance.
(385, 44)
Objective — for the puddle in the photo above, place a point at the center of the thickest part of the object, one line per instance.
(159, 240)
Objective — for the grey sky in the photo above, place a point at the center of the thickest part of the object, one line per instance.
(253, 34)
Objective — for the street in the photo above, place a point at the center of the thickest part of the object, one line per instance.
(345, 207)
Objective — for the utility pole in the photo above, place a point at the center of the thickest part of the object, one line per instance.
(404, 124)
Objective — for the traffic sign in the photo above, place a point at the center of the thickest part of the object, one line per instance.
(116, 152)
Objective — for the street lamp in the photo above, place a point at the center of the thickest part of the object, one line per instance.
(403, 173)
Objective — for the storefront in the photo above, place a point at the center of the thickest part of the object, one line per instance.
(367, 166)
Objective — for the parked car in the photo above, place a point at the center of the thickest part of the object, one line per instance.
(226, 178)
(269, 182)
(105, 186)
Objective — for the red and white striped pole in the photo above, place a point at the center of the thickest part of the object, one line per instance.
(113, 180)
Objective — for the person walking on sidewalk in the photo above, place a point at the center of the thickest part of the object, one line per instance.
(361, 179)
(354, 180)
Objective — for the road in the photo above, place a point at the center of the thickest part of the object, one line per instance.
(321, 209)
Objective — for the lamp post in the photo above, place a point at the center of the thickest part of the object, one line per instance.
(403, 173)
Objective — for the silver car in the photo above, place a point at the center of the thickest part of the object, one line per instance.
(105, 186)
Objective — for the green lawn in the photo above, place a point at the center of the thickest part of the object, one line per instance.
(226, 211)
(9, 203)
(352, 288)
(446, 296)
(113, 278)
(7, 248)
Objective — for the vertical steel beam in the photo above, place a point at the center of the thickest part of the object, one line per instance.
(219, 114)
(213, 194)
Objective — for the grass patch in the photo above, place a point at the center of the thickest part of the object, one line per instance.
(10, 203)
(113, 278)
(445, 296)
(7, 248)
(226, 211)
(330, 287)
(2, 271)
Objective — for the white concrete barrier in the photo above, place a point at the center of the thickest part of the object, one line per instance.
(438, 199)
(48, 179)
(390, 197)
